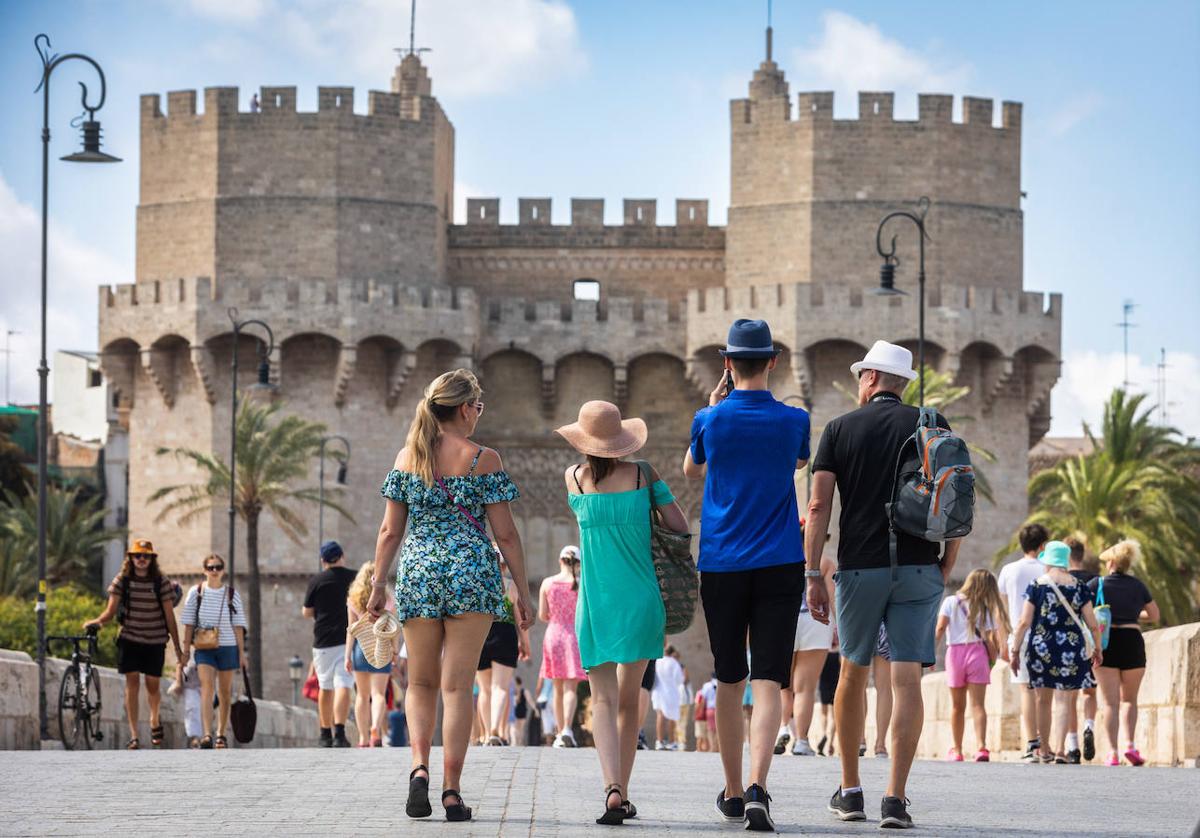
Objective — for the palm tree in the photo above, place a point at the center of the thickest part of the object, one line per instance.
(272, 454)
(1139, 482)
(75, 538)
(14, 474)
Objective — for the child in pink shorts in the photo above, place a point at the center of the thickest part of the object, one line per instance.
(975, 623)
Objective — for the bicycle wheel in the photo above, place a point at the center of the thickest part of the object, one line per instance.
(91, 704)
(71, 717)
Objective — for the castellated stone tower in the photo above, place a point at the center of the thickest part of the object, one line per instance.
(334, 227)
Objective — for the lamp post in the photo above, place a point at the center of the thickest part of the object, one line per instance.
(91, 153)
(264, 381)
(7, 357)
(341, 480)
(887, 276)
(296, 673)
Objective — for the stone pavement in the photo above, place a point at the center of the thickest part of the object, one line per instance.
(548, 792)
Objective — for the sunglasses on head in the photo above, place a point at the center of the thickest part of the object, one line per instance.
(214, 568)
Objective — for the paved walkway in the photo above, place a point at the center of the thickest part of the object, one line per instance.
(548, 792)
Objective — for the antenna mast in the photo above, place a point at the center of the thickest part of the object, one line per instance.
(1126, 309)
(413, 49)
(769, 30)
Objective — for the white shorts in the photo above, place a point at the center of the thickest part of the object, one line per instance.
(331, 668)
(1022, 674)
(811, 635)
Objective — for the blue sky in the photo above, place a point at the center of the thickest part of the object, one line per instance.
(630, 99)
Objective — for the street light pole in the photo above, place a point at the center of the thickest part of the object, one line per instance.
(887, 277)
(341, 479)
(7, 357)
(90, 154)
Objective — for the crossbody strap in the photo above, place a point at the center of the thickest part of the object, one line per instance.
(480, 528)
(1087, 635)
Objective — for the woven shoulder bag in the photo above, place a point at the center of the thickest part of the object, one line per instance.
(678, 581)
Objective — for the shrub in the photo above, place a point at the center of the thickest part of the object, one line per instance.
(67, 608)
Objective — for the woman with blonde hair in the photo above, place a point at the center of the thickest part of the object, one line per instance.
(441, 490)
(975, 623)
(620, 619)
(370, 682)
(1124, 662)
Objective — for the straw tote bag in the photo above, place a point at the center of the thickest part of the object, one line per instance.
(678, 581)
(376, 637)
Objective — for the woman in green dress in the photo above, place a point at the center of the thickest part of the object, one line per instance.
(620, 617)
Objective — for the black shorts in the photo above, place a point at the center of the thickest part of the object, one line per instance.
(649, 675)
(146, 658)
(500, 647)
(765, 602)
(827, 686)
(1126, 649)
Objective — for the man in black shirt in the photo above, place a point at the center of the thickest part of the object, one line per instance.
(325, 604)
(858, 452)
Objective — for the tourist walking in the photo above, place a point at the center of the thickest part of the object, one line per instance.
(709, 692)
(325, 605)
(811, 649)
(620, 617)
(524, 708)
(370, 682)
(666, 698)
(974, 622)
(826, 692)
(1064, 645)
(215, 626)
(1079, 569)
(448, 588)
(885, 577)
(141, 599)
(505, 645)
(747, 447)
(1124, 659)
(558, 600)
(187, 687)
(1015, 578)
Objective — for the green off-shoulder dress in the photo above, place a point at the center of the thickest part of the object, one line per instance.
(620, 617)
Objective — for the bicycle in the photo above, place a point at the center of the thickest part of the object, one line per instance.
(79, 694)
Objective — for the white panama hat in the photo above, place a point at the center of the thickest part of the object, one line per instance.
(887, 357)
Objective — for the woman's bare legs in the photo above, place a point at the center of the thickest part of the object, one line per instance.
(225, 697)
(977, 693)
(208, 686)
(483, 678)
(362, 706)
(1045, 704)
(629, 687)
(464, 636)
(1131, 683)
(424, 639)
(958, 715)
(498, 720)
(882, 669)
(379, 682)
(806, 674)
(603, 680)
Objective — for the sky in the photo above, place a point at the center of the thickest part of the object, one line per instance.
(626, 98)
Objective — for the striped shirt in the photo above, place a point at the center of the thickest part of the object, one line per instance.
(145, 621)
(213, 610)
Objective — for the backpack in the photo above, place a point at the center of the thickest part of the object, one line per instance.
(933, 494)
(123, 605)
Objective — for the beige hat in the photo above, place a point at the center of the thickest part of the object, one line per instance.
(600, 431)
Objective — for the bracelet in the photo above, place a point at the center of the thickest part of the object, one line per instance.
(375, 584)
(812, 574)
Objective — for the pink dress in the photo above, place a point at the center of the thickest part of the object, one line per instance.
(560, 646)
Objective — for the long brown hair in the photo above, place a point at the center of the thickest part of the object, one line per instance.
(982, 594)
(601, 467)
(444, 395)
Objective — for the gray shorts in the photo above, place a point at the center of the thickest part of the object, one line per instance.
(906, 606)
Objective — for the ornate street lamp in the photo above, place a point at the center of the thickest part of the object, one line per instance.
(341, 480)
(91, 153)
(296, 674)
(887, 276)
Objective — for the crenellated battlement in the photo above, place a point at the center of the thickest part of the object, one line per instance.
(224, 103)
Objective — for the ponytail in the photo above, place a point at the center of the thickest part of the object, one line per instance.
(574, 576)
(444, 395)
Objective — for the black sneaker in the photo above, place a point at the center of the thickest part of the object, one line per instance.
(1089, 744)
(847, 807)
(758, 810)
(731, 809)
(340, 741)
(326, 740)
(781, 743)
(1031, 755)
(894, 814)
(642, 745)
(1073, 757)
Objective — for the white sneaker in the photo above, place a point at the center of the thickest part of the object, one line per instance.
(803, 749)
(660, 745)
(568, 739)
(558, 742)
(672, 746)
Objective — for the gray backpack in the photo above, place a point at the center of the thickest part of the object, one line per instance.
(933, 494)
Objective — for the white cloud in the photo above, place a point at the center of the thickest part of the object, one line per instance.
(1073, 112)
(75, 271)
(476, 48)
(1089, 378)
(851, 55)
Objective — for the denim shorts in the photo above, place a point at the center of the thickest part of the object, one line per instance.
(904, 600)
(360, 663)
(222, 658)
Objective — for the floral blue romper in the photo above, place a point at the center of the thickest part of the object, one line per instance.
(1056, 655)
(447, 567)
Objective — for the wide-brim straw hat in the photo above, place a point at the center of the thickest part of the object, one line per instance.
(601, 432)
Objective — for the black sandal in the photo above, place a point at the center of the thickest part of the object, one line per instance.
(630, 809)
(133, 744)
(221, 742)
(156, 736)
(460, 811)
(206, 742)
(418, 794)
(613, 816)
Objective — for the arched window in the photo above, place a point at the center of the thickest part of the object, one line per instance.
(587, 289)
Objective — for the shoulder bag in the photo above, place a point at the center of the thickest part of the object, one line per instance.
(1089, 642)
(204, 637)
(243, 715)
(671, 552)
(1103, 614)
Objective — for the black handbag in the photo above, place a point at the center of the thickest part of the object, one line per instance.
(243, 715)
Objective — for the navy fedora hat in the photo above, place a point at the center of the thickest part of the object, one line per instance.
(749, 339)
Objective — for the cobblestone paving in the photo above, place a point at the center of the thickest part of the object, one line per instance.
(548, 792)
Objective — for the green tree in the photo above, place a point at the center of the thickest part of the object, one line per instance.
(14, 474)
(67, 608)
(273, 454)
(1138, 482)
(75, 538)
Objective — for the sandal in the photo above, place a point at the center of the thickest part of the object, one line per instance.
(630, 809)
(206, 742)
(459, 811)
(133, 744)
(418, 794)
(220, 742)
(156, 736)
(613, 816)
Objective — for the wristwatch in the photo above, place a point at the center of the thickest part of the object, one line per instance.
(812, 574)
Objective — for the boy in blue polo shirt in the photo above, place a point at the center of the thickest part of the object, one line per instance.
(747, 446)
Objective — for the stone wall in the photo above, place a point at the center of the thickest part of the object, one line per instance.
(279, 725)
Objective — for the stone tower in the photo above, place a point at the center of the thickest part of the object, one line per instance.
(334, 227)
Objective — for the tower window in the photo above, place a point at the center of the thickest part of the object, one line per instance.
(587, 289)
